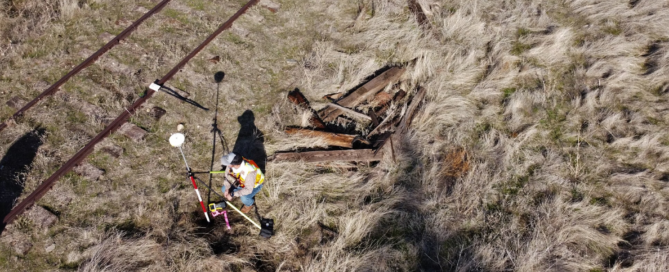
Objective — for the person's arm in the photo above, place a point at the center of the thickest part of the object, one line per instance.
(250, 181)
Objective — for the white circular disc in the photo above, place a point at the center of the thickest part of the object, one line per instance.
(177, 139)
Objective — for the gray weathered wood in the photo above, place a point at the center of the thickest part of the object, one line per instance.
(113, 150)
(350, 112)
(132, 131)
(41, 217)
(364, 93)
(88, 171)
(157, 113)
(16, 102)
(398, 97)
(416, 101)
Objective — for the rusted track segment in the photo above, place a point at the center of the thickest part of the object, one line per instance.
(332, 139)
(120, 120)
(90, 60)
(329, 155)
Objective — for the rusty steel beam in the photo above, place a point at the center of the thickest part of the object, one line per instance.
(329, 156)
(90, 60)
(120, 120)
(331, 138)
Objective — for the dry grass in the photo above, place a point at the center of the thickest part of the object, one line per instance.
(541, 147)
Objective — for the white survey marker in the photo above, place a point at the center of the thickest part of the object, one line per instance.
(177, 139)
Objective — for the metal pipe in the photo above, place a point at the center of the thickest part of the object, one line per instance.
(244, 215)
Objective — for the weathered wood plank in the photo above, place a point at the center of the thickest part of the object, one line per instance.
(398, 97)
(16, 102)
(389, 122)
(416, 101)
(364, 93)
(332, 139)
(132, 131)
(298, 99)
(330, 155)
(381, 98)
(156, 113)
(89, 171)
(113, 150)
(333, 96)
(350, 112)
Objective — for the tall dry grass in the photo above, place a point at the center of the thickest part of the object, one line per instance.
(541, 145)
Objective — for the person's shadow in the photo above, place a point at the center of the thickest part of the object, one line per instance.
(250, 141)
(13, 166)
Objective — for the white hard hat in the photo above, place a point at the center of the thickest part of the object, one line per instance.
(227, 159)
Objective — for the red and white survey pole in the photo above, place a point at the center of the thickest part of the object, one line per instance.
(176, 140)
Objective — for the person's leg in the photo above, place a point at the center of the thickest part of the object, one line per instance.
(223, 189)
(249, 199)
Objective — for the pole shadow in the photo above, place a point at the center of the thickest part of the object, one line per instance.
(176, 95)
(250, 140)
(218, 78)
(13, 166)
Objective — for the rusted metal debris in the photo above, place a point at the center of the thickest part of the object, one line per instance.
(90, 60)
(383, 135)
(298, 99)
(329, 155)
(113, 126)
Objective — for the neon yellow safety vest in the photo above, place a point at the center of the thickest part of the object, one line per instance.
(246, 167)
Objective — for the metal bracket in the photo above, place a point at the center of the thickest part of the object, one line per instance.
(155, 87)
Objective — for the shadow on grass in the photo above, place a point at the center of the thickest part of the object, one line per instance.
(13, 166)
(250, 141)
(412, 226)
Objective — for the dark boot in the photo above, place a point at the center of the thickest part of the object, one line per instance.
(246, 209)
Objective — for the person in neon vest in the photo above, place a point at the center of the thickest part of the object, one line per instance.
(243, 179)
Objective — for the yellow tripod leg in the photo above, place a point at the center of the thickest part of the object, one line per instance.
(244, 215)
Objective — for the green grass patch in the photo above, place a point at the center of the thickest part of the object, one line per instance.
(613, 28)
(518, 48)
(76, 117)
(96, 6)
(522, 32)
(599, 201)
(508, 92)
(79, 184)
(164, 185)
(177, 15)
(575, 195)
(198, 4)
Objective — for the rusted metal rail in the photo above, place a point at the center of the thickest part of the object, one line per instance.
(120, 120)
(90, 60)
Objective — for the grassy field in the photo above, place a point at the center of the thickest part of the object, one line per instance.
(542, 145)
